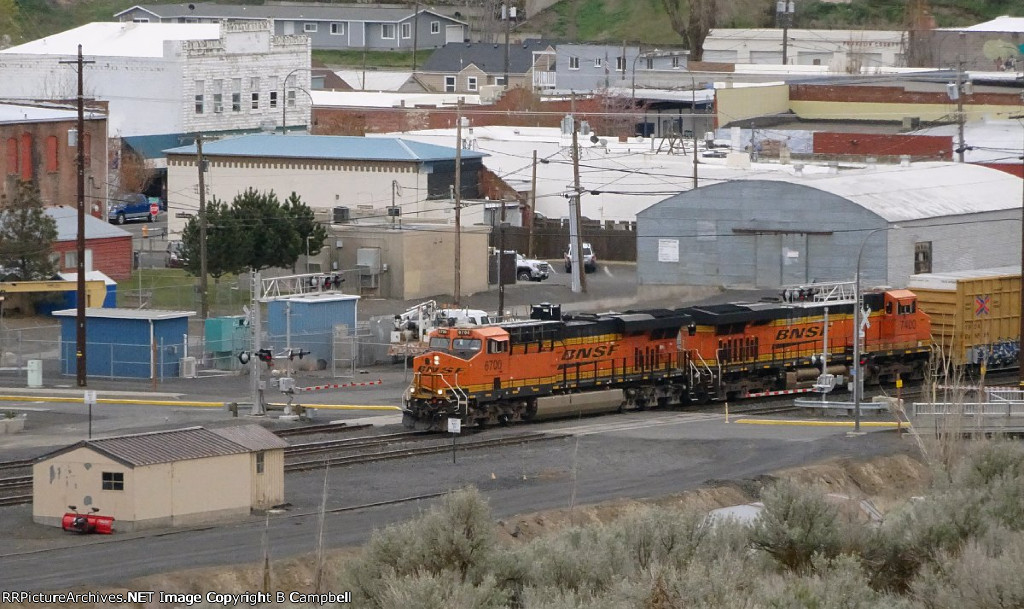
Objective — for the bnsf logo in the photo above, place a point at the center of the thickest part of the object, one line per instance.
(427, 369)
(790, 333)
(587, 352)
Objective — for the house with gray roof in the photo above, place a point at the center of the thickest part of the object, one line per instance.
(396, 28)
(469, 66)
(107, 248)
(164, 478)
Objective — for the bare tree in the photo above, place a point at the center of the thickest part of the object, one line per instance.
(136, 174)
(692, 20)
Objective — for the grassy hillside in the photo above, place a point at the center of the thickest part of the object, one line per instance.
(592, 20)
(645, 21)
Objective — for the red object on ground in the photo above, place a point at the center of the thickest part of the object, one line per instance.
(87, 523)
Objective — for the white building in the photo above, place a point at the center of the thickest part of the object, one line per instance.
(168, 78)
(840, 50)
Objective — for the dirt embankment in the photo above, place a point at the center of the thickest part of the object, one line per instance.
(885, 481)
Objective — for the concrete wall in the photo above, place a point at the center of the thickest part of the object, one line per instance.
(741, 104)
(322, 185)
(823, 102)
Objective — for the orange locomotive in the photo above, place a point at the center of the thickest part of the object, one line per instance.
(552, 366)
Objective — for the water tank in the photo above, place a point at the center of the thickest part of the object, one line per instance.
(341, 215)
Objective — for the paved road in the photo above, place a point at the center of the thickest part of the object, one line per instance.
(643, 454)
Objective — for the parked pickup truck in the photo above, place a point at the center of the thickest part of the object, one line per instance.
(531, 270)
(130, 207)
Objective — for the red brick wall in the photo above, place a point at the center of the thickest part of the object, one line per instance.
(892, 95)
(517, 107)
(1015, 169)
(111, 256)
(58, 187)
(934, 147)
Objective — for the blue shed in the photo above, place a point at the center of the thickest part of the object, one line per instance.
(125, 343)
(109, 301)
(313, 318)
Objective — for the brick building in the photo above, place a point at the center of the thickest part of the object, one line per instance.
(37, 147)
(107, 248)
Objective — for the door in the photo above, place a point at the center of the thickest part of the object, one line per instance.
(289, 28)
(356, 34)
(768, 268)
(454, 33)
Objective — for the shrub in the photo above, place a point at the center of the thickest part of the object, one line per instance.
(985, 575)
(795, 525)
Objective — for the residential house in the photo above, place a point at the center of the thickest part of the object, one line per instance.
(467, 67)
(108, 248)
(40, 145)
(585, 68)
(328, 26)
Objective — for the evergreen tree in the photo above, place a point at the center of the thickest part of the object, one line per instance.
(27, 235)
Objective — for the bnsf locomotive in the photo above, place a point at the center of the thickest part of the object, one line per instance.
(553, 366)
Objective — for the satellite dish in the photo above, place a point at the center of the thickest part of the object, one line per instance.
(593, 139)
(602, 142)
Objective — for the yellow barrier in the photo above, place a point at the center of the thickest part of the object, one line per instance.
(886, 424)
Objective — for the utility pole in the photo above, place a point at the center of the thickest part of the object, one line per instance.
(784, 15)
(693, 128)
(501, 256)
(959, 97)
(579, 275)
(507, 12)
(415, 34)
(80, 367)
(533, 206)
(458, 201)
(204, 301)
(256, 387)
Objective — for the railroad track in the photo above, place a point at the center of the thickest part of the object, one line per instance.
(417, 451)
(315, 429)
(354, 443)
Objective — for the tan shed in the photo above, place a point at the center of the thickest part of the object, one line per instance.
(975, 314)
(266, 462)
(165, 478)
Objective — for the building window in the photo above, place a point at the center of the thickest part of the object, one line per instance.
(113, 481)
(272, 86)
(620, 63)
(650, 63)
(12, 156)
(26, 156)
(499, 80)
(218, 96)
(574, 63)
(675, 61)
(309, 28)
(406, 30)
(435, 27)
(236, 95)
(387, 31)
(291, 98)
(260, 462)
(449, 84)
(923, 257)
(273, 99)
(140, 20)
(255, 100)
(337, 29)
(200, 86)
(254, 86)
(598, 62)
(51, 154)
(471, 83)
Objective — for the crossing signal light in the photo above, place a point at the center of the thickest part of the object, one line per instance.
(265, 356)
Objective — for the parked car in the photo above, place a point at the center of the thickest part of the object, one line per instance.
(528, 269)
(589, 259)
(175, 258)
(131, 207)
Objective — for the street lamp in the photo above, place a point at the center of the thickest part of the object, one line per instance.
(858, 382)
(307, 253)
(284, 99)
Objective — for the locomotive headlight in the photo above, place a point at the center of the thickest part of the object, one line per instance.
(440, 392)
(437, 360)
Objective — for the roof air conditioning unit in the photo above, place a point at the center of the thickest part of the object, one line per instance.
(584, 128)
(341, 215)
(911, 123)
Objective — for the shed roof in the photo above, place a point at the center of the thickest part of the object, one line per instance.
(309, 12)
(66, 219)
(335, 147)
(490, 58)
(252, 437)
(117, 39)
(916, 192)
(145, 314)
(1003, 24)
(154, 447)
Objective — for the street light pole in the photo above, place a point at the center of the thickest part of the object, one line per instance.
(858, 374)
(284, 100)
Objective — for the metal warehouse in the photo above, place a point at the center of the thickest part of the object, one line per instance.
(163, 478)
(770, 229)
(126, 343)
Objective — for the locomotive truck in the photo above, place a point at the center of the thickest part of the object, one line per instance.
(553, 365)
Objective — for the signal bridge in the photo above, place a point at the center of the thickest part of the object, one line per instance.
(305, 283)
(839, 292)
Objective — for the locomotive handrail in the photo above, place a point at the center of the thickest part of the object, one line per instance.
(461, 399)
